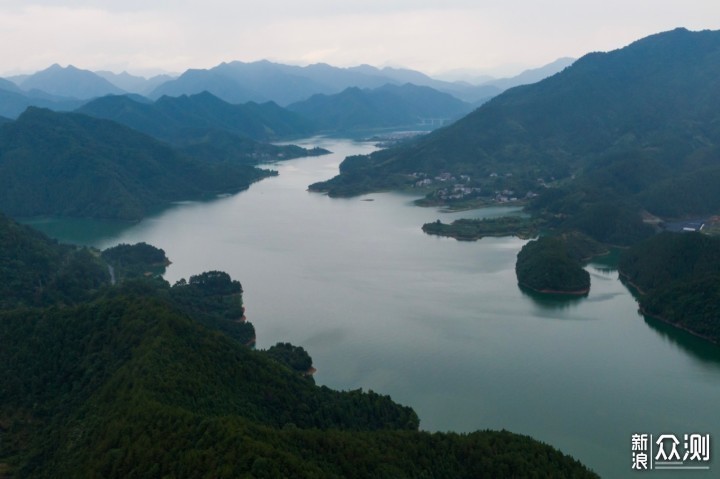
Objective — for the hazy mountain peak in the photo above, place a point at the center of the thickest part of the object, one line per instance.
(70, 82)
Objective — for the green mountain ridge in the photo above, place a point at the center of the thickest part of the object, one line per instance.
(639, 123)
(169, 117)
(206, 128)
(67, 164)
(383, 107)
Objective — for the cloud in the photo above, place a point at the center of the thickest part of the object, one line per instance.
(429, 35)
(37, 36)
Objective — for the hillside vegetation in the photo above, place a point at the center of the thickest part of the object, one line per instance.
(387, 106)
(168, 117)
(545, 265)
(67, 164)
(678, 280)
(208, 129)
(132, 380)
(638, 124)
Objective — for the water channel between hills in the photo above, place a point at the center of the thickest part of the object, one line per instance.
(438, 324)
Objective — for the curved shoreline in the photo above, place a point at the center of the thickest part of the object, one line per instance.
(644, 312)
(557, 292)
(625, 280)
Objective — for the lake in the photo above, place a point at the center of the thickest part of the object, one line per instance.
(437, 324)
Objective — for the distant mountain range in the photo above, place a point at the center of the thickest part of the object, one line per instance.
(13, 102)
(386, 106)
(638, 124)
(239, 82)
(69, 82)
(66, 88)
(133, 83)
(530, 76)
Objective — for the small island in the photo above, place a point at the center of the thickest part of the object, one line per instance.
(475, 229)
(546, 266)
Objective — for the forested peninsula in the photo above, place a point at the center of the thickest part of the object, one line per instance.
(145, 379)
(677, 278)
(68, 164)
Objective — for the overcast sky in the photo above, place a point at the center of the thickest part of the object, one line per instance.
(498, 36)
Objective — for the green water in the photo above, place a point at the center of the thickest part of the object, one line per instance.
(438, 324)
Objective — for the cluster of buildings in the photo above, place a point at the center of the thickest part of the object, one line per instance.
(463, 189)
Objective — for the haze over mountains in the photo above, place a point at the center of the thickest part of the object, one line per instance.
(200, 135)
(69, 82)
(237, 82)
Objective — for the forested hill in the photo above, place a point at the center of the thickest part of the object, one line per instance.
(36, 271)
(387, 106)
(67, 164)
(170, 118)
(206, 128)
(137, 380)
(678, 278)
(637, 121)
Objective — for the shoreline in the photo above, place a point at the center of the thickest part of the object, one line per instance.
(557, 292)
(644, 312)
(625, 280)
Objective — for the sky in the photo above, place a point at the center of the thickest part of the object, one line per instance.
(498, 37)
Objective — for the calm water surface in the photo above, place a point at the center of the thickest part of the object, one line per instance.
(438, 324)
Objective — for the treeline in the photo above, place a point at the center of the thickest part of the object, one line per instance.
(209, 129)
(67, 164)
(545, 265)
(677, 276)
(37, 271)
(144, 379)
(474, 229)
(136, 260)
(133, 389)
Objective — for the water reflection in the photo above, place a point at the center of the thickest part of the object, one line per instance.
(553, 301)
(694, 346)
(698, 348)
(607, 263)
(83, 231)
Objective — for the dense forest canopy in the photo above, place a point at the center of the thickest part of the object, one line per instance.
(545, 265)
(144, 379)
(207, 128)
(678, 279)
(68, 164)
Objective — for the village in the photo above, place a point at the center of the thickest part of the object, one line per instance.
(447, 187)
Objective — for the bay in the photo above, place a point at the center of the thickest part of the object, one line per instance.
(438, 324)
